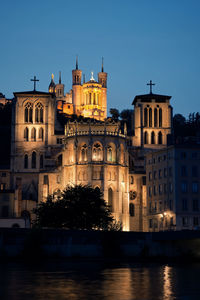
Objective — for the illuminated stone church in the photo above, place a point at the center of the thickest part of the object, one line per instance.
(47, 155)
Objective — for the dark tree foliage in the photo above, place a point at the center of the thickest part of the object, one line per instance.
(114, 113)
(5, 133)
(126, 116)
(186, 128)
(78, 207)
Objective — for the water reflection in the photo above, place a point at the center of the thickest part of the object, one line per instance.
(95, 280)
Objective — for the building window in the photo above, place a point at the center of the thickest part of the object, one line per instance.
(97, 152)
(46, 179)
(152, 137)
(185, 221)
(26, 134)
(3, 186)
(26, 161)
(160, 189)
(150, 191)
(160, 117)
(183, 155)
(155, 118)
(170, 187)
(195, 221)
(41, 133)
(154, 175)
(132, 180)
(39, 113)
(150, 117)
(170, 171)
(183, 171)
(146, 137)
(109, 153)
(165, 188)
(184, 204)
(5, 211)
(195, 187)
(160, 138)
(33, 160)
(184, 187)
(195, 171)
(110, 199)
(165, 172)
(145, 117)
(41, 161)
(59, 140)
(150, 223)
(33, 134)
(195, 204)
(28, 113)
(160, 174)
(3, 174)
(150, 176)
(83, 153)
(132, 209)
(154, 190)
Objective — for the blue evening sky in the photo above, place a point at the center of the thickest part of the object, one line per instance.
(139, 40)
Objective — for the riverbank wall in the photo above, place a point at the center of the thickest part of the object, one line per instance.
(51, 243)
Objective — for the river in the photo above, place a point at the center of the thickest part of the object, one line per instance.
(99, 280)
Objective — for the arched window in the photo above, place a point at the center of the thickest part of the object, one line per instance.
(33, 160)
(110, 199)
(160, 117)
(26, 161)
(41, 161)
(155, 117)
(39, 113)
(150, 117)
(83, 153)
(145, 117)
(146, 137)
(97, 152)
(132, 209)
(26, 134)
(152, 137)
(109, 153)
(33, 134)
(41, 133)
(160, 138)
(28, 113)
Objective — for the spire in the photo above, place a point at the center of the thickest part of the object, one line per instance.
(102, 65)
(92, 77)
(59, 77)
(83, 78)
(76, 62)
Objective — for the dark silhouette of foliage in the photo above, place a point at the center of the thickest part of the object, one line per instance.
(186, 130)
(114, 113)
(5, 133)
(77, 207)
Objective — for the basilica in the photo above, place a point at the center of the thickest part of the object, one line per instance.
(60, 139)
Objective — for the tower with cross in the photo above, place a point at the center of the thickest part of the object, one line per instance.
(153, 119)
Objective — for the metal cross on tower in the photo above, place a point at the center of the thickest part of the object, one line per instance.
(151, 84)
(34, 79)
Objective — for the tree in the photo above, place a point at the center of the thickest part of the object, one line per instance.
(114, 113)
(78, 207)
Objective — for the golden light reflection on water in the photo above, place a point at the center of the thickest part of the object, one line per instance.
(167, 284)
(95, 280)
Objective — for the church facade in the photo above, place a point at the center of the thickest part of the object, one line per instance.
(47, 154)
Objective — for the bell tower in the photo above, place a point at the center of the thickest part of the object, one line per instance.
(76, 88)
(102, 79)
(152, 119)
